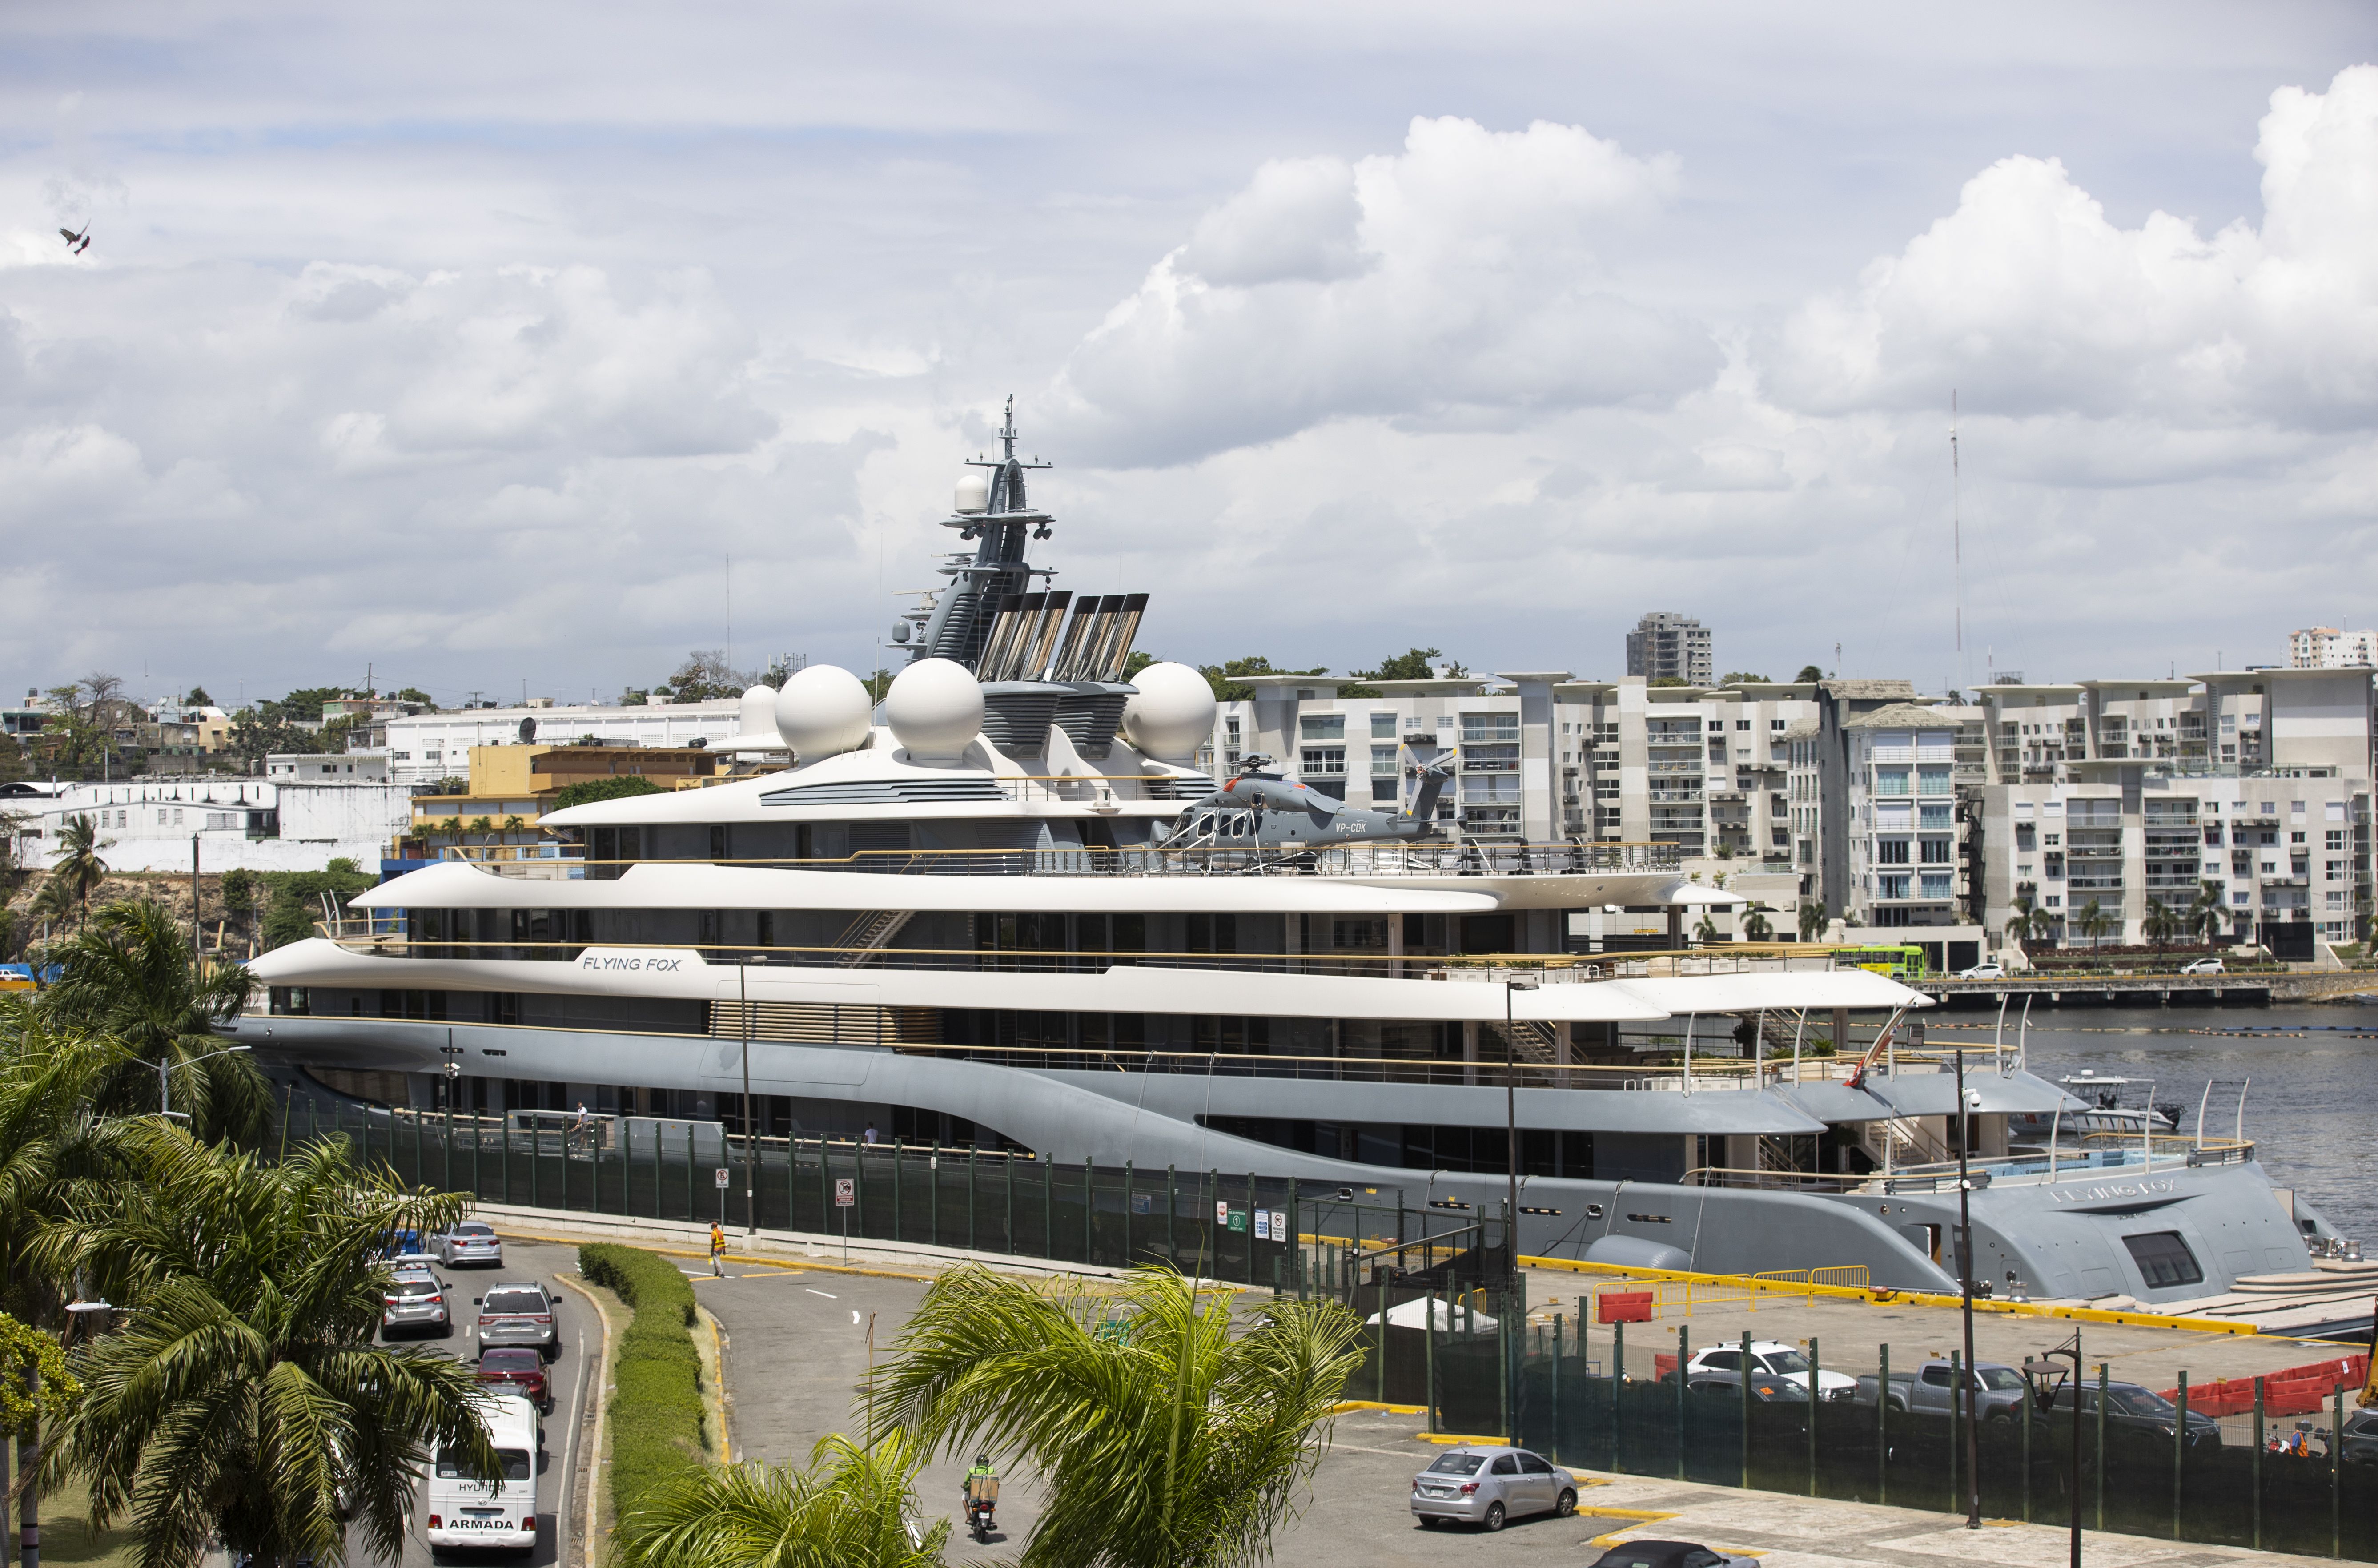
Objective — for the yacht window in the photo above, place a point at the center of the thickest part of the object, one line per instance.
(2164, 1258)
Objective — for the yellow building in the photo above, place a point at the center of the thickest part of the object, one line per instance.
(518, 783)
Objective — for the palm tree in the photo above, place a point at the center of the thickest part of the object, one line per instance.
(1756, 927)
(129, 976)
(850, 1509)
(2162, 924)
(54, 902)
(1164, 1441)
(78, 860)
(244, 1395)
(1705, 931)
(2205, 912)
(2019, 922)
(1812, 920)
(2094, 922)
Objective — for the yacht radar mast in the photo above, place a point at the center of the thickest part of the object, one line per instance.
(959, 623)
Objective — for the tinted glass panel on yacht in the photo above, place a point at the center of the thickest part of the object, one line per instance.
(2164, 1258)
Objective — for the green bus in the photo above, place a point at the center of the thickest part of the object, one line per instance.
(1897, 962)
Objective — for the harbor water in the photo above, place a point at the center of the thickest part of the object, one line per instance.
(2312, 1077)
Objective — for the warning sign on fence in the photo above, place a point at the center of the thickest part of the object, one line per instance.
(844, 1197)
(1263, 1224)
(719, 1179)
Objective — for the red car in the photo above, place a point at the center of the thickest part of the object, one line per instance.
(522, 1370)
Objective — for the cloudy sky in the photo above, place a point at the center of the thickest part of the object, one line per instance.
(470, 342)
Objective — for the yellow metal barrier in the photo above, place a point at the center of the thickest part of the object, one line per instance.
(1836, 1285)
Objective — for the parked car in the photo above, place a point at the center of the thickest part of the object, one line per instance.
(415, 1304)
(519, 1314)
(1669, 1554)
(469, 1241)
(1997, 1390)
(520, 1370)
(1765, 1387)
(1990, 970)
(1775, 1357)
(2361, 1437)
(1485, 1484)
(2203, 966)
(2138, 1414)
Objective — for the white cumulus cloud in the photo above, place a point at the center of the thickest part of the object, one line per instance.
(1464, 280)
(2030, 299)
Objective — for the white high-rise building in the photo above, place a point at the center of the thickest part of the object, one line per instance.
(2325, 647)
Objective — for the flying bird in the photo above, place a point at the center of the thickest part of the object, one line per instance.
(77, 243)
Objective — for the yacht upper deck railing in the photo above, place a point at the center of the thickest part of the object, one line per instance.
(2118, 1156)
(1398, 859)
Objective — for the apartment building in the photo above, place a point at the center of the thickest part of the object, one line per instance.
(1906, 832)
(2325, 647)
(422, 748)
(2106, 799)
(1668, 646)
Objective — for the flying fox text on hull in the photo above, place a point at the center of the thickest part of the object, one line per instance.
(1010, 904)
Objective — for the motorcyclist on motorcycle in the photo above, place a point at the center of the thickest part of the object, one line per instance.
(981, 1494)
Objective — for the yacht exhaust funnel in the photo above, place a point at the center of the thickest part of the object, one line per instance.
(1043, 637)
(1116, 647)
(1015, 613)
(1069, 652)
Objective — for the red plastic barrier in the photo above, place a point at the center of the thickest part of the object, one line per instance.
(1663, 1364)
(1622, 1306)
(2235, 1396)
(2302, 1396)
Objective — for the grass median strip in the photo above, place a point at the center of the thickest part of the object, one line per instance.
(656, 1411)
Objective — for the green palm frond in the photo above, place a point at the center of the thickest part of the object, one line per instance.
(244, 1394)
(129, 975)
(1173, 1443)
(850, 1509)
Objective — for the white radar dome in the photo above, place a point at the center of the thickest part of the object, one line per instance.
(974, 492)
(1172, 713)
(756, 713)
(934, 707)
(821, 710)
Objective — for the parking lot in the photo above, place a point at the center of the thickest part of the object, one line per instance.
(798, 1349)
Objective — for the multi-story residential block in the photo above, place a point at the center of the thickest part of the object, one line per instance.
(2325, 647)
(422, 748)
(2244, 794)
(1668, 646)
(1905, 868)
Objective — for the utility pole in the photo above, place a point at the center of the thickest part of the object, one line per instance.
(195, 922)
(1965, 1283)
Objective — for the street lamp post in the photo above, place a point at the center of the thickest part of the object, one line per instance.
(1511, 1125)
(166, 1063)
(750, 1203)
(2041, 1368)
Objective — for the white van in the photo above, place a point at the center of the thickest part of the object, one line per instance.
(464, 1513)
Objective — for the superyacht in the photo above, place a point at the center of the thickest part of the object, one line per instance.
(1012, 905)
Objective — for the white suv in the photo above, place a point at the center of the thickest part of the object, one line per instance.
(1775, 1357)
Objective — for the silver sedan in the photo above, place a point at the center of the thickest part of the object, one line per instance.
(469, 1241)
(1486, 1485)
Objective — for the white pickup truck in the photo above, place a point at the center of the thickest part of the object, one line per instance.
(465, 1512)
